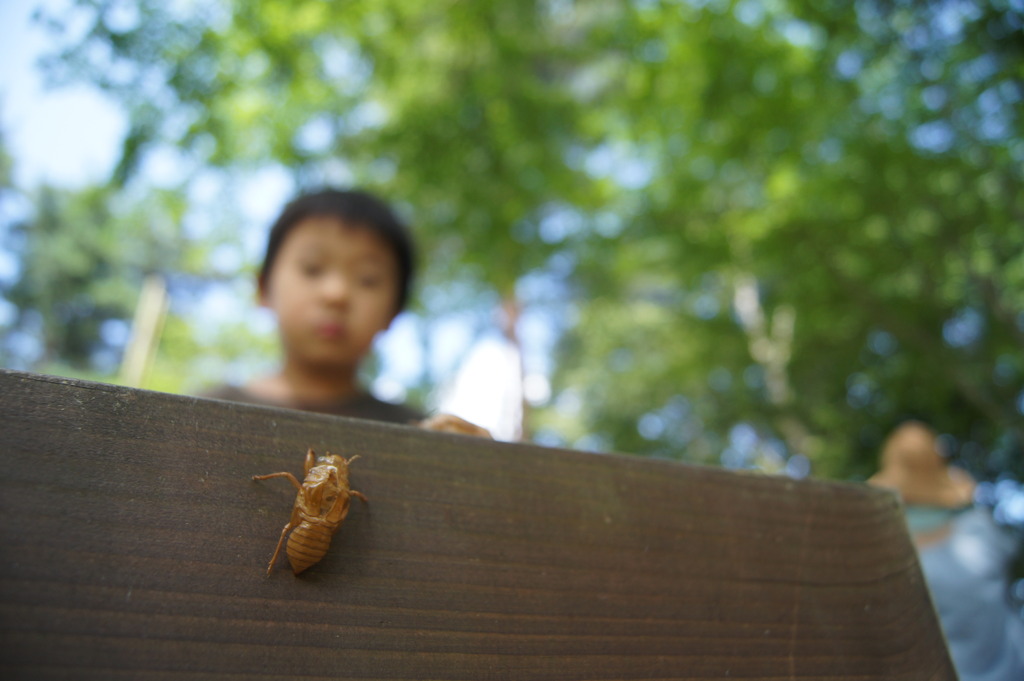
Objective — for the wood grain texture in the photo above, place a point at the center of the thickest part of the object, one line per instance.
(135, 546)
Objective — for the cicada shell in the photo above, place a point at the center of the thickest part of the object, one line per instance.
(321, 505)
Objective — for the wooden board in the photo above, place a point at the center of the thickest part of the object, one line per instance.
(135, 545)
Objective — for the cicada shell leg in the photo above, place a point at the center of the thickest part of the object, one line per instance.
(277, 551)
(293, 522)
(283, 474)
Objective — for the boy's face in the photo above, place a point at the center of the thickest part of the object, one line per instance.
(334, 287)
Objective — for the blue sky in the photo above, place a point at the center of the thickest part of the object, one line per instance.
(67, 136)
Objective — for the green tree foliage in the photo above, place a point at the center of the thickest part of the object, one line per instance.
(831, 237)
(766, 228)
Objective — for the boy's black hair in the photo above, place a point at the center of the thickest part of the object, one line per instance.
(353, 207)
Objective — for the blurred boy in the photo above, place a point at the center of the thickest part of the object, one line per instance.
(337, 271)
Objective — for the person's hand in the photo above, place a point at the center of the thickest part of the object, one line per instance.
(449, 423)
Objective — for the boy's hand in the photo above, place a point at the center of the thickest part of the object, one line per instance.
(450, 423)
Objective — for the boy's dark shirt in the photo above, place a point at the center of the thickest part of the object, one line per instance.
(362, 406)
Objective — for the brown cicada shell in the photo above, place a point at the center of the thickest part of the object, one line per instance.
(320, 507)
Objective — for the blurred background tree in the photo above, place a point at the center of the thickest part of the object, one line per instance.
(759, 232)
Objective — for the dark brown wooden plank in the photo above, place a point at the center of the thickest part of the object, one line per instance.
(134, 546)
